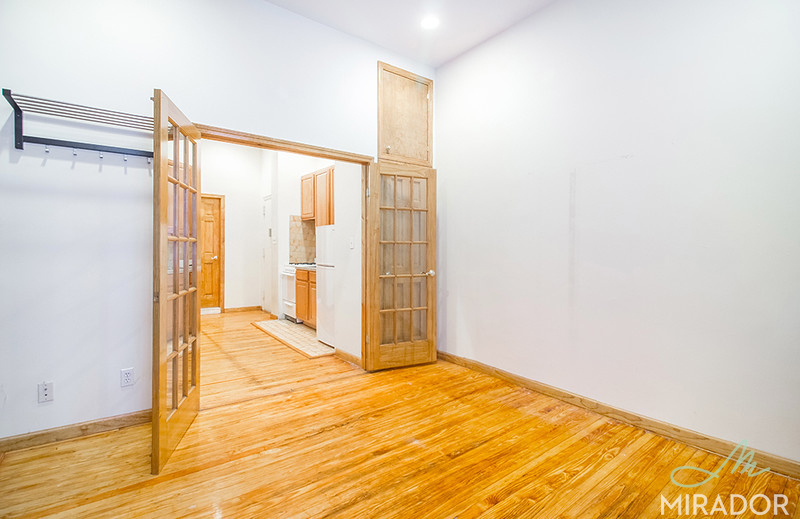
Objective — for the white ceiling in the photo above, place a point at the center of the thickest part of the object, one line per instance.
(395, 24)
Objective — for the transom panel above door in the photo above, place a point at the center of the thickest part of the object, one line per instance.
(405, 116)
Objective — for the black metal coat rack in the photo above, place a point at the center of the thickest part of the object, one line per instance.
(23, 103)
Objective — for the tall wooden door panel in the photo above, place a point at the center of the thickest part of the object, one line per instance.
(212, 251)
(401, 262)
(405, 116)
(176, 305)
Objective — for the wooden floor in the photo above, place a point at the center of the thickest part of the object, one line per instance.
(280, 435)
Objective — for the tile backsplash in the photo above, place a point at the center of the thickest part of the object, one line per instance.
(302, 240)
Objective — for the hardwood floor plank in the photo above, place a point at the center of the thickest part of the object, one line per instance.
(281, 435)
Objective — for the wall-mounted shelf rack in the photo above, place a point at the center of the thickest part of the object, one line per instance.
(23, 103)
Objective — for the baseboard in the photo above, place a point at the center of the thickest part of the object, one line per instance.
(241, 309)
(777, 464)
(68, 432)
(347, 357)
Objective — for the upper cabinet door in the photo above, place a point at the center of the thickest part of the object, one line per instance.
(307, 197)
(405, 116)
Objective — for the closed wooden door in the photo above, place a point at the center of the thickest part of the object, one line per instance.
(401, 263)
(176, 308)
(405, 116)
(212, 218)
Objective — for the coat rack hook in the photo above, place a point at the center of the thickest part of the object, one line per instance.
(125, 158)
(46, 148)
(101, 154)
(74, 152)
(149, 160)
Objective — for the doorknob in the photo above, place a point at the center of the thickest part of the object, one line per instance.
(431, 273)
(215, 257)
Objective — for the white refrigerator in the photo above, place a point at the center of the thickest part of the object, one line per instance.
(326, 273)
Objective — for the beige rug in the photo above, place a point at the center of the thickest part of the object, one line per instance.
(299, 337)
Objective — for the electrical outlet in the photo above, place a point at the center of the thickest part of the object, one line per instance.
(45, 392)
(126, 377)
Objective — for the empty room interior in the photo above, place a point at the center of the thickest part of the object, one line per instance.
(521, 258)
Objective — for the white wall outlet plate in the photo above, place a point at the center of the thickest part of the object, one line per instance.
(126, 377)
(45, 392)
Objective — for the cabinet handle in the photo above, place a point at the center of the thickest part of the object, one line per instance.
(388, 149)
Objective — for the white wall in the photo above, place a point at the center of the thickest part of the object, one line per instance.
(245, 65)
(237, 172)
(347, 281)
(76, 277)
(618, 212)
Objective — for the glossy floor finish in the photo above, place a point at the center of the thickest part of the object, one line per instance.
(281, 435)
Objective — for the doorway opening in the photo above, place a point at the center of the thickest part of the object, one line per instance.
(263, 234)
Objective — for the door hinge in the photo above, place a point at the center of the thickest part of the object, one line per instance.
(155, 298)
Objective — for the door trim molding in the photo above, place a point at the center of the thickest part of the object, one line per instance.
(221, 247)
(214, 133)
(77, 430)
(777, 464)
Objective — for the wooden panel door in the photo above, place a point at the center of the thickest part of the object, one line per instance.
(405, 116)
(212, 251)
(401, 262)
(176, 308)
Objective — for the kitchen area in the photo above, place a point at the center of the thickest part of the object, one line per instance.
(319, 213)
(292, 240)
(308, 279)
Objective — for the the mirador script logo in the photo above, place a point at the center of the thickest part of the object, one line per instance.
(723, 505)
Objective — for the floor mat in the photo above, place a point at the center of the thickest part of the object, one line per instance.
(297, 336)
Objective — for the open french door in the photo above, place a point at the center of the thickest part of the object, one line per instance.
(176, 308)
(401, 263)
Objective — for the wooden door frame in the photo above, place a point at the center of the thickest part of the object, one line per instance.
(366, 162)
(221, 246)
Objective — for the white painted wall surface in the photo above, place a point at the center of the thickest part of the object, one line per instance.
(76, 277)
(347, 273)
(618, 212)
(246, 65)
(236, 172)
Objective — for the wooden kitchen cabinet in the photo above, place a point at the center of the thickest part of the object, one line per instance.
(312, 299)
(307, 204)
(323, 197)
(306, 297)
(316, 197)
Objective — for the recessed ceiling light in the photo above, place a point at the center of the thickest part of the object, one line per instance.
(430, 22)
